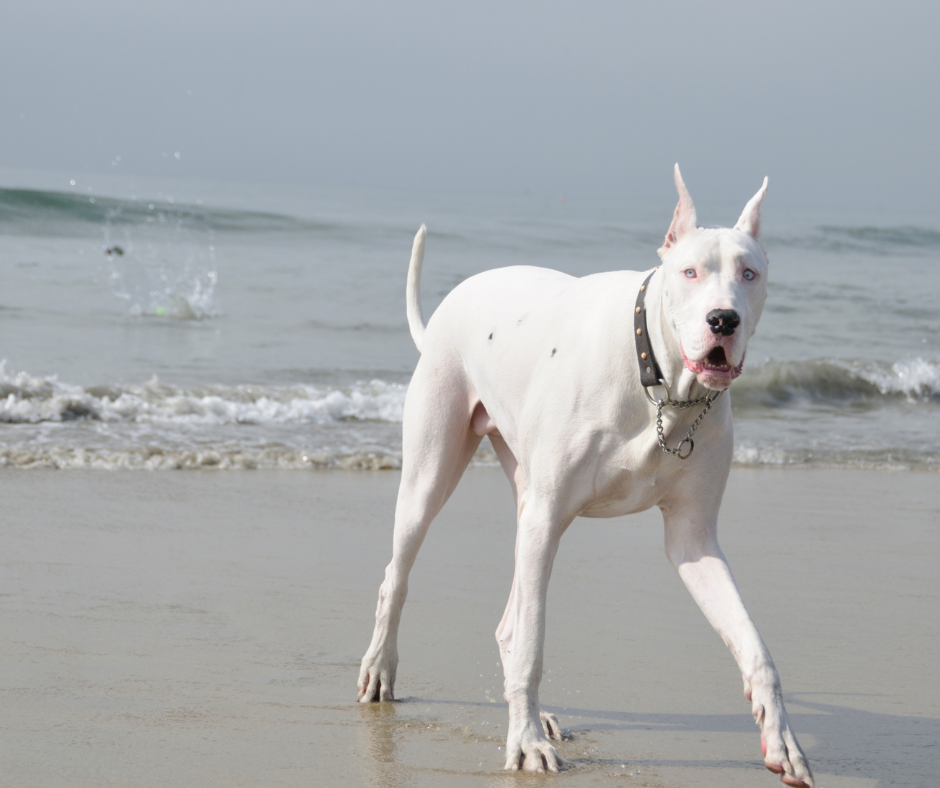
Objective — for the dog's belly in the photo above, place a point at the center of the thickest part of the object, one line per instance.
(621, 507)
(618, 508)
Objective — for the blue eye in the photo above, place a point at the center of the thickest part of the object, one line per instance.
(749, 274)
(690, 273)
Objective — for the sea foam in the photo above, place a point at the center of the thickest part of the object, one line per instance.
(25, 399)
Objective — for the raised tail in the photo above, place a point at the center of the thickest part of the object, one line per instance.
(413, 293)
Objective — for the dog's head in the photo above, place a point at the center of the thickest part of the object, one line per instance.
(714, 286)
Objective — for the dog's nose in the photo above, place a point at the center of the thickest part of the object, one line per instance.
(723, 321)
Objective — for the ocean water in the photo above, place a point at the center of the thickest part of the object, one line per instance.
(194, 325)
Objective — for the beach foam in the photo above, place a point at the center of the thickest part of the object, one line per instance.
(30, 400)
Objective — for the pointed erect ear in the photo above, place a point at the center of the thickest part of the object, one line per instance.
(683, 221)
(750, 219)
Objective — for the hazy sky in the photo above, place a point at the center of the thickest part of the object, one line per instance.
(836, 102)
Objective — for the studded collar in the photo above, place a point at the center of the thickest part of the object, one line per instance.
(650, 373)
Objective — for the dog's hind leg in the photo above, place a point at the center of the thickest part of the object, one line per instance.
(437, 446)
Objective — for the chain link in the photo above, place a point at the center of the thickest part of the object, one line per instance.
(708, 399)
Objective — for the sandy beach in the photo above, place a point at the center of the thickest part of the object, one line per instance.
(205, 629)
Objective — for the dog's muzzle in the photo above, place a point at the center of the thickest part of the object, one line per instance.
(723, 321)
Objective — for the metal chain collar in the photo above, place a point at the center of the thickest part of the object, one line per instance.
(708, 399)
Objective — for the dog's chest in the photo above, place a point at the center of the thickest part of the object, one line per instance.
(619, 491)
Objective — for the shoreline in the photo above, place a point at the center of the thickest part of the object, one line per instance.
(212, 461)
(206, 629)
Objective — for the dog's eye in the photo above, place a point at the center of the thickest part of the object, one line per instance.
(690, 273)
(749, 274)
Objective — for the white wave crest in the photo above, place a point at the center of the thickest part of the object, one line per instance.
(28, 400)
(835, 381)
(915, 379)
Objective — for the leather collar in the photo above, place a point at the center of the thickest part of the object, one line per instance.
(650, 374)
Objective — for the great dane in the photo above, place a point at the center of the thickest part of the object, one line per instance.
(590, 390)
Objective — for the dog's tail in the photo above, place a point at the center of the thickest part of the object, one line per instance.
(413, 293)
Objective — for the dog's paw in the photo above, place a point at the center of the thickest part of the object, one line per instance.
(377, 678)
(787, 759)
(550, 725)
(781, 750)
(529, 750)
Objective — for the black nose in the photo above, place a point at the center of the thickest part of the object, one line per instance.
(723, 321)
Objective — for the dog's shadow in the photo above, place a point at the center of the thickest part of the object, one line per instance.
(893, 750)
(848, 742)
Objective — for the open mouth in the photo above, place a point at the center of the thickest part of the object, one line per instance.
(717, 359)
(715, 364)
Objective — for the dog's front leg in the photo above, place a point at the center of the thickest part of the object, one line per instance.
(692, 547)
(521, 637)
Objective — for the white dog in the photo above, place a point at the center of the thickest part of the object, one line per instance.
(590, 390)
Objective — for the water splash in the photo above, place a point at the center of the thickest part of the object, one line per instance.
(165, 265)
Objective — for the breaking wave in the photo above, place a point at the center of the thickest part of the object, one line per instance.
(29, 400)
(781, 384)
(48, 423)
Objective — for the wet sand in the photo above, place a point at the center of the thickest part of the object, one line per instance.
(205, 629)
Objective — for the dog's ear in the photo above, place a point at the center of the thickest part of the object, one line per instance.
(750, 219)
(683, 221)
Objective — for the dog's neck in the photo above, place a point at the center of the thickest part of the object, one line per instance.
(682, 382)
